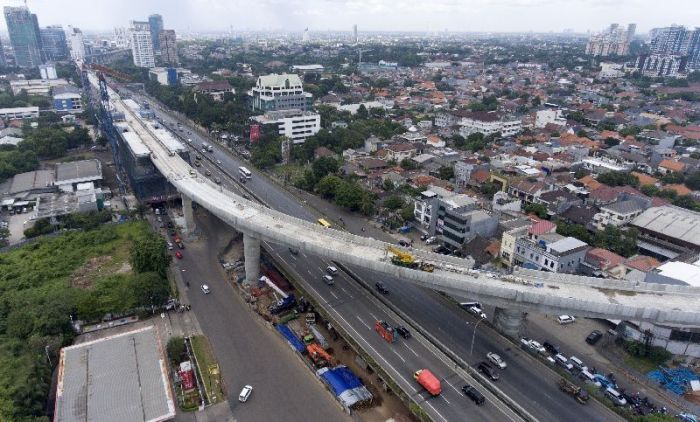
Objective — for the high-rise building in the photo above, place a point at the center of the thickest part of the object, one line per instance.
(280, 92)
(77, 43)
(677, 41)
(23, 27)
(305, 36)
(168, 47)
(2, 55)
(53, 41)
(614, 41)
(155, 23)
(141, 44)
(121, 38)
(354, 34)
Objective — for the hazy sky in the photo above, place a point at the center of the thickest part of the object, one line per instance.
(417, 15)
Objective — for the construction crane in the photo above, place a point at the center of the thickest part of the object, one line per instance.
(405, 259)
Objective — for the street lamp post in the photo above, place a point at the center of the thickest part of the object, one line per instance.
(471, 350)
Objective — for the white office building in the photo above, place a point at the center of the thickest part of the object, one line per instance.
(487, 123)
(296, 125)
(76, 42)
(141, 44)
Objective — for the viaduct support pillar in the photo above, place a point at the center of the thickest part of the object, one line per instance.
(508, 321)
(251, 254)
(190, 227)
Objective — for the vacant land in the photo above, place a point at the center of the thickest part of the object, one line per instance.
(79, 275)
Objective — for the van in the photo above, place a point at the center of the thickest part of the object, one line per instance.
(615, 396)
(577, 363)
(332, 270)
(327, 279)
(245, 394)
(563, 362)
(588, 377)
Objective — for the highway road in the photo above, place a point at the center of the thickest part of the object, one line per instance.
(350, 304)
(249, 352)
(527, 381)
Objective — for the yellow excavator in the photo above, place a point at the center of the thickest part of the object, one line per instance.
(405, 259)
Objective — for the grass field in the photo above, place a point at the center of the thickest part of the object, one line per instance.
(205, 358)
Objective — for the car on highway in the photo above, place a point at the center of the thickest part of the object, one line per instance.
(496, 360)
(565, 319)
(593, 337)
(331, 270)
(381, 288)
(179, 255)
(488, 370)
(205, 289)
(245, 394)
(327, 279)
(551, 348)
(476, 310)
(197, 163)
(192, 172)
(473, 394)
(218, 161)
(403, 331)
(217, 181)
(207, 172)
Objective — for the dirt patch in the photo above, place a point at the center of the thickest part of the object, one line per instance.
(124, 269)
(84, 277)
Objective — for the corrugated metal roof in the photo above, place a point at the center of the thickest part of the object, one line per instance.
(117, 378)
(671, 221)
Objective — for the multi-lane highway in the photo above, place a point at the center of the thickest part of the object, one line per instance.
(527, 381)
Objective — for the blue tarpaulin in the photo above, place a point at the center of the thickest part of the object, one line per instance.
(291, 338)
(345, 385)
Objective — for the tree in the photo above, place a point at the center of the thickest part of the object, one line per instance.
(489, 189)
(446, 172)
(388, 185)
(611, 142)
(406, 213)
(149, 254)
(175, 349)
(393, 202)
(408, 164)
(323, 166)
(328, 185)
(539, 209)
(4, 235)
(693, 180)
(613, 178)
(362, 112)
(536, 101)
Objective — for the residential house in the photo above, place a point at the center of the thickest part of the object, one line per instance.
(620, 213)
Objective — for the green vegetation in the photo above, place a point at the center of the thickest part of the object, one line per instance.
(646, 355)
(45, 142)
(80, 275)
(87, 221)
(538, 209)
(613, 178)
(611, 238)
(176, 350)
(205, 358)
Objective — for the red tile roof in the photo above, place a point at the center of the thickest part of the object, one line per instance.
(642, 263)
(603, 258)
(541, 227)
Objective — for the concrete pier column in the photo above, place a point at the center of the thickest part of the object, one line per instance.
(508, 321)
(251, 253)
(190, 227)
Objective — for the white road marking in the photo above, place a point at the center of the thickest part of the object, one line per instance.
(409, 348)
(363, 323)
(443, 397)
(374, 316)
(334, 295)
(453, 387)
(400, 357)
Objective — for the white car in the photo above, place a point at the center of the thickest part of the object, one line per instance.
(218, 161)
(205, 289)
(477, 311)
(170, 246)
(536, 346)
(566, 319)
(245, 394)
(496, 360)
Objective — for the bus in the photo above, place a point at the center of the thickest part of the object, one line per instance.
(324, 223)
(245, 173)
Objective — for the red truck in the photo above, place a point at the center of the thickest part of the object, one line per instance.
(428, 381)
(385, 330)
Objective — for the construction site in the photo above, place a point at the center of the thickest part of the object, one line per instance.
(324, 351)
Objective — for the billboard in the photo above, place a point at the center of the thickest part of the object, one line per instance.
(254, 133)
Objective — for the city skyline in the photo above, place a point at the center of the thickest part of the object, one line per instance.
(370, 15)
